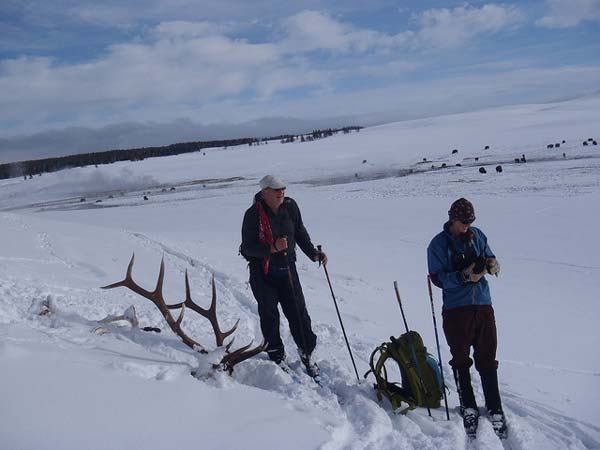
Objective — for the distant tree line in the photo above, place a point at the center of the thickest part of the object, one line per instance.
(317, 134)
(28, 169)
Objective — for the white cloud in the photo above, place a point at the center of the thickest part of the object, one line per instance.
(183, 61)
(313, 30)
(448, 28)
(199, 71)
(570, 13)
(176, 66)
(437, 28)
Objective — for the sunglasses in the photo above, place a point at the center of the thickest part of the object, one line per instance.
(467, 221)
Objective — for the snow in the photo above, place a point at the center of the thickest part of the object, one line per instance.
(66, 385)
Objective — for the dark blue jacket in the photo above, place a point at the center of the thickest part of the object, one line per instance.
(455, 292)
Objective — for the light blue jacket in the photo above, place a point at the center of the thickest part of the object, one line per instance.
(455, 293)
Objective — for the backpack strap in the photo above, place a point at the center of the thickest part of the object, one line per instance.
(392, 391)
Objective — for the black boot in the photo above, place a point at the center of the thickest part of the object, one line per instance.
(311, 367)
(468, 405)
(489, 383)
(465, 390)
(491, 392)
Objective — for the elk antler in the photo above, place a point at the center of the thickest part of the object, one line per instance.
(231, 358)
(210, 313)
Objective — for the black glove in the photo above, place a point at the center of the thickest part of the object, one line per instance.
(469, 275)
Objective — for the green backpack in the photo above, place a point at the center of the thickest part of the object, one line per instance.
(411, 390)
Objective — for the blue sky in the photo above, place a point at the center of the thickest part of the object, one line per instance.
(71, 65)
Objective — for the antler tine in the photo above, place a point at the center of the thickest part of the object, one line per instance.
(180, 318)
(156, 297)
(161, 279)
(210, 313)
(241, 354)
(127, 280)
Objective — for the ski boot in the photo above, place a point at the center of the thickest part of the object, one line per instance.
(499, 424)
(470, 421)
(489, 383)
(312, 369)
(468, 405)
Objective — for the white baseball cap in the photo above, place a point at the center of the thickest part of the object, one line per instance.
(271, 181)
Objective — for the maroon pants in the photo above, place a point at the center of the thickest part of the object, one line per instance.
(467, 326)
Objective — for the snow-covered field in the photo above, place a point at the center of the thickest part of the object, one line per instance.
(65, 385)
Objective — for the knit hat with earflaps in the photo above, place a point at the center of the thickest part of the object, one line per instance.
(462, 210)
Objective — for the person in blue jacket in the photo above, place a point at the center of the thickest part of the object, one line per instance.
(458, 259)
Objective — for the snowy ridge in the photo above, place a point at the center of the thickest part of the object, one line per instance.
(66, 386)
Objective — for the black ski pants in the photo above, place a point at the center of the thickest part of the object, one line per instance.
(471, 326)
(272, 291)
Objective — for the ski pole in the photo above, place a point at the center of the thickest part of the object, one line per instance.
(437, 341)
(339, 317)
(410, 342)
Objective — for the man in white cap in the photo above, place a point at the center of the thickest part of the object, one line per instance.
(271, 229)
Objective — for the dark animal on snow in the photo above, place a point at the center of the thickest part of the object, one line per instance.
(550, 146)
(482, 170)
(523, 158)
(454, 151)
(498, 169)
(487, 147)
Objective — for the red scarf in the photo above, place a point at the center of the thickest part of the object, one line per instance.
(265, 236)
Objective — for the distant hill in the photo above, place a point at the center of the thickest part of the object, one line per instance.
(39, 166)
